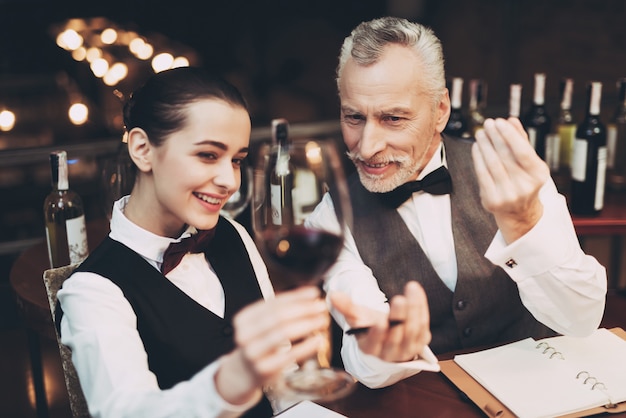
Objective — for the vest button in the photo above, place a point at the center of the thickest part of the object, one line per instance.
(467, 332)
(227, 330)
(460, 305)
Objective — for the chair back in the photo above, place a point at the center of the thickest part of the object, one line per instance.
(53, 279)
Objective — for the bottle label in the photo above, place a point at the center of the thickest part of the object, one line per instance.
(532, 137)
(305, 196)
(600, 179)
(579, 160)
(567, 133)
(77, 239)
(275, 204)
(552, 151)
(611, 145)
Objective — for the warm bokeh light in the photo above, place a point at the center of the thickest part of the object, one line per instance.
(116, 73)
(145, 52)
(79, 54)
(162, 62)
(69, 40)
(7, 120)
(78, 113)
(108, 36)
(313, 153)
(93, 54)
(180, 62)
(116, 55)
(99, 67)
(135, 45)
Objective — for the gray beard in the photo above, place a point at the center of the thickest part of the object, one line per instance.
(407, 170)
(375, 184)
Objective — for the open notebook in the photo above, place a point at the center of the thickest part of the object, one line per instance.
(558, 376)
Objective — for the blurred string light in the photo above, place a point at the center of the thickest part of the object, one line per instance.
(118, 56)
(78, 113)
(104, 45)
(7, 120)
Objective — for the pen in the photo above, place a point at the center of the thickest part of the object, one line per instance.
(362, 330)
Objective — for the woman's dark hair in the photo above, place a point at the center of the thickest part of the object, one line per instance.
(158, 107)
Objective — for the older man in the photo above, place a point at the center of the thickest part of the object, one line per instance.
(487, 236)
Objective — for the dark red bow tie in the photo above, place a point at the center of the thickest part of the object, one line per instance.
(196, 243)
(437, 182)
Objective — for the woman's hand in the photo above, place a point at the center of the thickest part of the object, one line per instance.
(271, 336)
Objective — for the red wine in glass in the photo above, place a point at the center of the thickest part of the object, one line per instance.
(302, 253)
(292, 177)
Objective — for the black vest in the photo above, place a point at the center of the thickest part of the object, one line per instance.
(485, 307)
(180, 336)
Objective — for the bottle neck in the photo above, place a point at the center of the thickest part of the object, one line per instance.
(540, 85)
(457, 90)
(566, 94)
(476, 93)
(60, 175)
(515, 97)
(595, 96)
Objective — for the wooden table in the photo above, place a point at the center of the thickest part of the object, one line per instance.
(426, 394)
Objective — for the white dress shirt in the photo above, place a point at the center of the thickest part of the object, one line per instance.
(100, 327)
(560, 285)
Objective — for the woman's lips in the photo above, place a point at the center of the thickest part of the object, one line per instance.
(212, 200)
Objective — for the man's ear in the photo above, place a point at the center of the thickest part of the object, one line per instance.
(442, 113)
(140, 149)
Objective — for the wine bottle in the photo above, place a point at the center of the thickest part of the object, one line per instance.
(616, 141)
(457, 124)
(66, 233)
(281, 176)
(537, 121)
(515, 100)
(477, 103)
(566, 128)
(589, 158)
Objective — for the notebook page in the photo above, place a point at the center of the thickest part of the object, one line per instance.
(528, 382)
(603, 355)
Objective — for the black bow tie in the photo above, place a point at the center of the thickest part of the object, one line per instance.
(196, 243)
(437, 182)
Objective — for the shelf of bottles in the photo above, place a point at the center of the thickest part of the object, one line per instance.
(583, 153)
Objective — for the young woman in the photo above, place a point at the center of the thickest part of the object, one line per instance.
(198, 338)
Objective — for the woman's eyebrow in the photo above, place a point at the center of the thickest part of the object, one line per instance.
(220, 145)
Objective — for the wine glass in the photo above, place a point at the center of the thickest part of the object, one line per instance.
(290, 181)
(238, 202)
(118, 178)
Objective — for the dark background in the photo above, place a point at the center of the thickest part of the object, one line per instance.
(282, 54)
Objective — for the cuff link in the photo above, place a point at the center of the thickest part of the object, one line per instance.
(510, 263)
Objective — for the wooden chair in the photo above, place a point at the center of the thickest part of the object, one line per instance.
(53, 279)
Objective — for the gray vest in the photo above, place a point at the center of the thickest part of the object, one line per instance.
(485, 307)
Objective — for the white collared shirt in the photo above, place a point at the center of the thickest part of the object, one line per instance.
(99, 325)
(559, 284)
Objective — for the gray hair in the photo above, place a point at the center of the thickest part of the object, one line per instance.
(367, 42)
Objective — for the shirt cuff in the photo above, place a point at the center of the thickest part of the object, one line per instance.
(549, 243)
(208, 376)
(376, 373)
